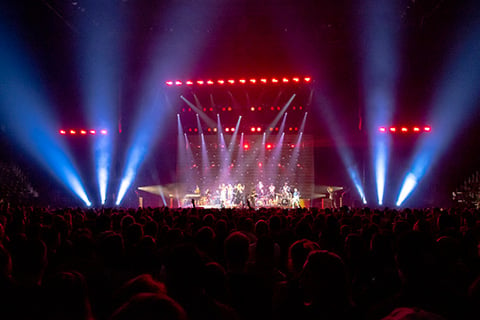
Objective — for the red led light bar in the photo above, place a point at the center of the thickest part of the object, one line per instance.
(404, 129)
(82, 132)
(232, 81)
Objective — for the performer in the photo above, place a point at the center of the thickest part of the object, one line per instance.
(286, 191)
(296, 198)
(271, 189)
(260, 189)
(197, 189)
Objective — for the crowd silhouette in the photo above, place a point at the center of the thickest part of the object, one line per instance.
(269, 263)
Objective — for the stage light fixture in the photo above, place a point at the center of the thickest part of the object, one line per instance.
(242, 81)
(169, 83)
(231, 81)
(200, 82)
(382, 129)
(189, 82)
(253, 81)
(307, 79)
(63, 132)
(274, 80)
(427, 129)
(404, 129)
(252, 109)
(285, 80)
(178, 83)
(260, 164)
(416, 129)
(295, 79)
(393, 129)
(93, 132)
(210, 82)
(269, 146)
(221, 81)
(263, 80)
(259, 108)
(73, 132)
(84, 132)
(259, 129)
(229, 108)
(232, 129)
(103, 131)
(252, 129)
(246, 146)
(227, 129)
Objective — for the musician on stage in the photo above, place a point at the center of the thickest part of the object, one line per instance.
(296, 198)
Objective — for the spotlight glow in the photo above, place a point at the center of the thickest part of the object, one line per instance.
(408, 185)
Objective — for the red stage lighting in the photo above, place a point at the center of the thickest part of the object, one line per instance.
(169, 83)
(278, 108)
(189, 129)
(263, 80)
(63, 132)
(291, 129)
(307, 79)
(292, 146)
(404, 129)
(83, 131)
(300, 107)
(259, 129)
(271, 129)
(242, 81)
(227, 129)
(232, 129)
(268, 146)
(416, 129)
(246, 146)
(214, 129)
(274, 80)
(276, 129)
(253, 81)
(210, 82)
(93, 132)
(229, 108)
(259, 108)
(196, 130)
(294, 108)
(382, 129)
(231, 81)
(272, 108)
(189, 82)
(204, 109)
(260, 165)
(427, 129)
(73, 132)
(296, 129)
(223, 109)
(178, 83)
(209, 129)
(296, 79)
(200, 82)
(393, 129)
(252, 108)
(252, 129)
(103, 131)
(221, 81)
(285, 80)
(211, 109)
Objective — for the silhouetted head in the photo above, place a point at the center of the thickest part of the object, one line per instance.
(236, 251)
(150, 306)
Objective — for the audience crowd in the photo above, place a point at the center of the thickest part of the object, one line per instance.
(195, 263)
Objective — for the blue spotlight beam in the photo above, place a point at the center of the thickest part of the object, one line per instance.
(455, 99)
(380, 39)
(345, 153)
(23, 104)
(100, 70)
